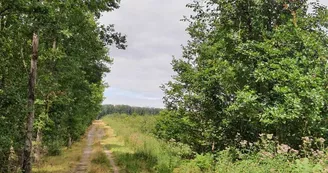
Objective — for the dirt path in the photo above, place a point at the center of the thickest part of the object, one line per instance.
(108, 152)
(96, 133)
(83, 165)
(111, 160)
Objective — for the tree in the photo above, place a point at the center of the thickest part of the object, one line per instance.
(250, 67)
(129, 110)
(67, 96)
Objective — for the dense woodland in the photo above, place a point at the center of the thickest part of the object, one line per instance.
(129, 110)
(251, 67)
(250, 93)
(53, 55)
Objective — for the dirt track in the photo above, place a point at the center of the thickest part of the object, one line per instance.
(96, 132)
(85, 159)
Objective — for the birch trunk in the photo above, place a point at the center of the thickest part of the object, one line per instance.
(27, 161)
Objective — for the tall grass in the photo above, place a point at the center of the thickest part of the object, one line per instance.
(143, 152)
(149, 154)
(99, 160)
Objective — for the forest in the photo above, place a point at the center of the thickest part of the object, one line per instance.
(53, 55)
(249, 94)
(129, 110)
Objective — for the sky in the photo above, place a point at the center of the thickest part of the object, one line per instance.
(154, 35)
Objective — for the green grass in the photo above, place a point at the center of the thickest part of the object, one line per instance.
(100, 159)
(136, 149)
(100, 162)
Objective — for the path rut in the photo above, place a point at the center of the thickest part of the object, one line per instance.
(107, 152)
(111, 160)
(82, 167)
(94, 134)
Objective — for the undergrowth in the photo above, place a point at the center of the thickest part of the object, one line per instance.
(150, 154)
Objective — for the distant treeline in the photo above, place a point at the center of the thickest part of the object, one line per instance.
(126, 109)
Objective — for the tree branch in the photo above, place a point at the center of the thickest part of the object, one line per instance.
(4, 10)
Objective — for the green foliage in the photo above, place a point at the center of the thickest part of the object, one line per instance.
(147, 152)
(281, 158)
(72, 60)
(54, 147)
(130, 110)
(251, 67)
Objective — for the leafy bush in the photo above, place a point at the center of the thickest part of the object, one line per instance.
(269, 156)
(250, 67)
(54, 148)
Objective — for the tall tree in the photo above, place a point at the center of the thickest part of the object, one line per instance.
(66, 95)
(27, 163)
(251, 67)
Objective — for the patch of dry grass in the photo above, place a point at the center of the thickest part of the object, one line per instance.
(64, 163)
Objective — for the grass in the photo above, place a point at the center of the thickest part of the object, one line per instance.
(68, 159)
(135, 149)
(63, 163)
(99, 160)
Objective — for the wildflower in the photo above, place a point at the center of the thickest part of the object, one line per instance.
(306, 139)
(320, 153)
(293, 151)
(266, 154)
(243, 142)
(283, 148)
(314, 153)
(269, 136)
(321, 140)
(172, 140)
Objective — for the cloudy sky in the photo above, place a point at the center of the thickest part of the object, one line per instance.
(154, 34)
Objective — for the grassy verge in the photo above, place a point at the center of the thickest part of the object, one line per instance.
(64, 163)
(135, 149)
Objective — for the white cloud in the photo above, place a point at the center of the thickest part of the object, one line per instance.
(154, 33)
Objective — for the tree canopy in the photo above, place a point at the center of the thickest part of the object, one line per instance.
(73, 57)
(129, 110)
(250, 67)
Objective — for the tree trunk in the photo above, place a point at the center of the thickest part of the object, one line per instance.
(69, 144)
(37, 154)
(27, 161)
